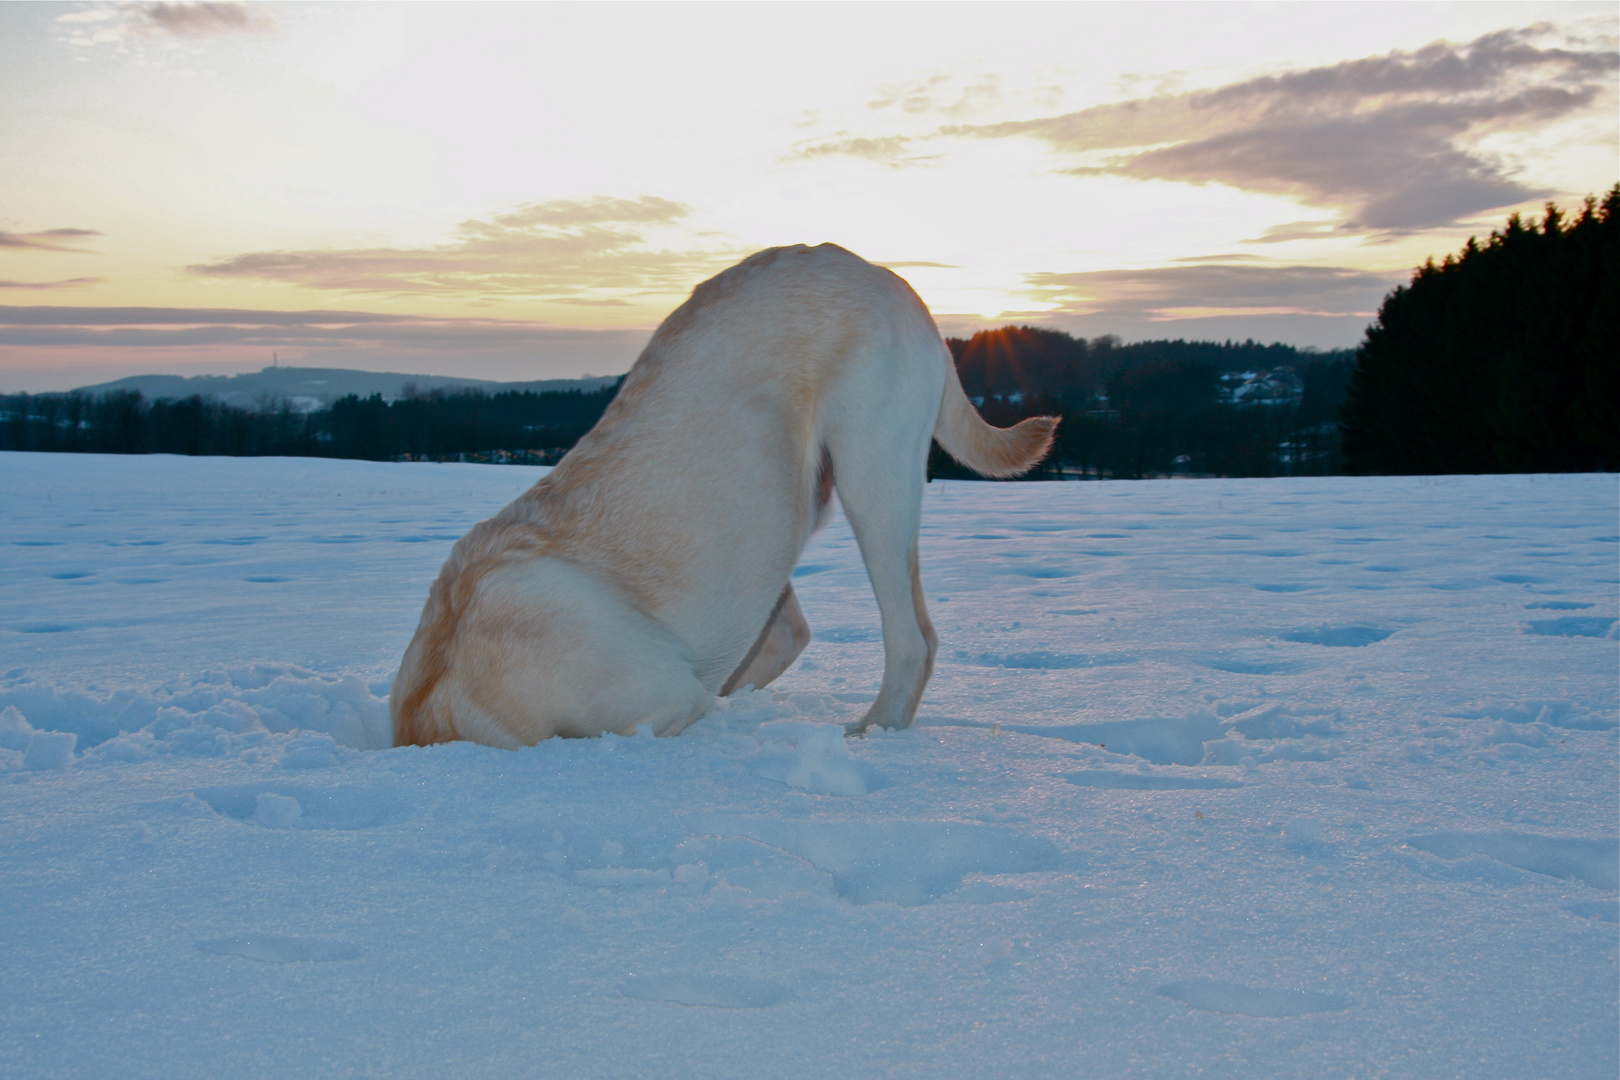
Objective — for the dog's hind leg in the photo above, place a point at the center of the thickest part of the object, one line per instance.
(785, 635)
(884, 505)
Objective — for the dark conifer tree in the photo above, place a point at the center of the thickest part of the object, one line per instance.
(1503, 358)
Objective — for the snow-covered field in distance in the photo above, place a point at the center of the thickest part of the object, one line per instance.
(1218, 778)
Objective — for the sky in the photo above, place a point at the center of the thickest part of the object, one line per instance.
(523, 191)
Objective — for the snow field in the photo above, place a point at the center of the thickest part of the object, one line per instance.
(1214, 778)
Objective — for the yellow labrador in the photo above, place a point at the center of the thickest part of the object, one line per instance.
(649, 570)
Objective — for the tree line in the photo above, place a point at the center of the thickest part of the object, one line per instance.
(524, 426)
(1158, 408)
(1505, 357)
(1145, 409)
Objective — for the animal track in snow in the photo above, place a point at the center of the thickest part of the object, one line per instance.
(1282, 722)
(1560, 714)
(1161, 740)
(715, 991)
(899, 862)
(1041, 660)
(1571, 626)
(860, 860)
(814, 758)
(1213, 995)
(844, 635)
(1596, 862)
(345, 808)
(1242, 666)
(1342, 637)
(1601, 910)
(1121, 780)
(275, 949)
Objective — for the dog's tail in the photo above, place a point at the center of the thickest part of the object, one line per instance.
(989, 451)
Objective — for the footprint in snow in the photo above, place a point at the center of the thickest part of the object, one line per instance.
(275, 949)
(1595, 862)
(899, 862)
(1351, 637)
(1241, 666)
(1602, 910)
(1040, 660)
(1120, 780)
(1571, 626)
(300, 806)
(1213, 995)
(1160, 740)
(714, 991)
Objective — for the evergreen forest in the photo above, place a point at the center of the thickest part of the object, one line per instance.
(1502, 358)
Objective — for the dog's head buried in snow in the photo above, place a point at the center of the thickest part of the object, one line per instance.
(649, 570)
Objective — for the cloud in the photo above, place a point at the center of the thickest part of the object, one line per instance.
(1322, 307)
(568, 251)
(1392, 142)
(202, 19)
(1204, 290)
(149, 326)
(66, 284)
(892, 150)
(940, 94)
(919, 263)
(110, 340)
(48, 240)
(124, 27)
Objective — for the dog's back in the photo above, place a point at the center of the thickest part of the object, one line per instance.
(626, 585)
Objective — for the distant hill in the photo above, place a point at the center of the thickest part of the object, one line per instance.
(311, 388)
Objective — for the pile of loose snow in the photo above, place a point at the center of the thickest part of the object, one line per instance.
(1218, 778)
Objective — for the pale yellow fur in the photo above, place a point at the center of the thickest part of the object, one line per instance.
(649, 570)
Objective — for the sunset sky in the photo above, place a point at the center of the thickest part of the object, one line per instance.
(522, 191)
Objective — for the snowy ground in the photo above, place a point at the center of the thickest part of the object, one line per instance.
(1247, 778)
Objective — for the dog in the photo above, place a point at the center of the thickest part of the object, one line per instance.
(649, 571)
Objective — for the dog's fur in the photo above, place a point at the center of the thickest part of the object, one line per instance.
(650, 568)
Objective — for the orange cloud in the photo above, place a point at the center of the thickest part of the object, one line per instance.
(47, 240)
(575, 251)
